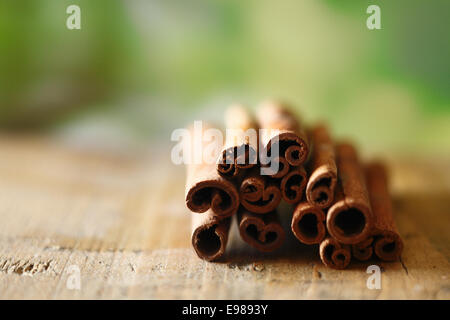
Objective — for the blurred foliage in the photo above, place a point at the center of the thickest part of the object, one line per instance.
(47, 70)
(179, 60)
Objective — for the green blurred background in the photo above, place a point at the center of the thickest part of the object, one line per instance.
(138, 69)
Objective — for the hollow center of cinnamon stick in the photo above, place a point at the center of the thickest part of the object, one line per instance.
(323, 197)
(295, 180)
(204, 196)
(295, 154)
(323, 182)
(271, 237)
(208, 241)
(389, 247)
(340, 257)
(282, 146)
(350, 222)
(250, 189)
(308, 225)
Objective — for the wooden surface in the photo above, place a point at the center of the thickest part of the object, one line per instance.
(121, 221)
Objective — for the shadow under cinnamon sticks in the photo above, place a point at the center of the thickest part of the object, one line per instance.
(409, 209)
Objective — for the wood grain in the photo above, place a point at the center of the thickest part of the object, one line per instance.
(123, 223)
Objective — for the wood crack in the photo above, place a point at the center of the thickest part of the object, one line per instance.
(404, 266)
(24, 267)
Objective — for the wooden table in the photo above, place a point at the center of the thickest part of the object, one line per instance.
(119, 222)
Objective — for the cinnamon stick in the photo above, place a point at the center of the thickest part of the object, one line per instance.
(364, 250)
(323, 177)
(206, 189)
(259, 194)
(385, 242)
(349, 219)
(210, 235)
(334, 254)
(278, 162)
(282, 131)
(308, 223)
(293, 184)
(240, 149)
(263, 232)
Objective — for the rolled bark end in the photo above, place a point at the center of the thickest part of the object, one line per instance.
(263, 232)
(322, 168)
(259, 195)
(308, 223)
(283, 132)
(220, 196)
(388, 246)
(334, 254)
(236, 159)
(210, 236)
(320, 190)
(363, 251)
(281, 171)
(349, 224)
(291, 147)
(293, 184)
(205, 187)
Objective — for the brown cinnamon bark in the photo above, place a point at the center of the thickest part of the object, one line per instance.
(206, 189)
(210, 235)
(259, 194)
(240, 150)
(263, 232)
(350, 219)
(323, 177)
(363, 251)
(281, 163)
(293, 184)
(385, 242)
(282, 131)
(334, 254)
(308, 223)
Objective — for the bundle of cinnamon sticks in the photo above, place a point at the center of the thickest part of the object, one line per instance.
(338, 204)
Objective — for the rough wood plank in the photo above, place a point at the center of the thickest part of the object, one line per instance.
(123, 223)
